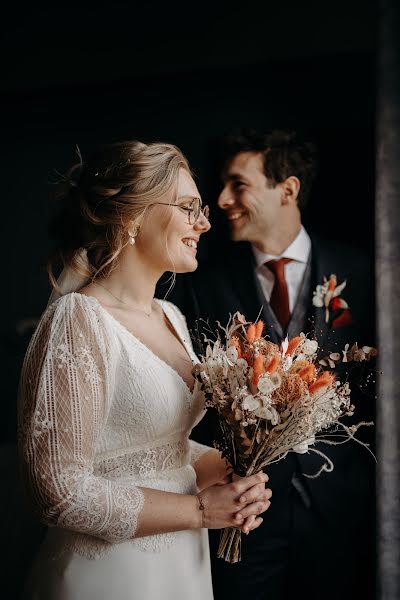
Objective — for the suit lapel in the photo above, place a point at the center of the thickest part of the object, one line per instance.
(301, 311)
(251, 297)
(321, 267)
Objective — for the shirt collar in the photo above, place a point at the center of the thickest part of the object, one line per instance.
(298, 250)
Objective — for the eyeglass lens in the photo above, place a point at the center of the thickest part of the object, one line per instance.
(196, 210)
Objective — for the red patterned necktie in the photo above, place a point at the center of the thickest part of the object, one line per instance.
(279, 300)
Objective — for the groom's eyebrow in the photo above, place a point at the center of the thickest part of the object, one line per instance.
(226, 177)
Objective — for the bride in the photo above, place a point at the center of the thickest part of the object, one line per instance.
(108, 400)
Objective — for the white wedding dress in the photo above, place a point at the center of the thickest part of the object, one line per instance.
(101, 416)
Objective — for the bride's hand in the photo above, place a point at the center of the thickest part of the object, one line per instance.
(251, 522)
(211, 468)
(231, 504)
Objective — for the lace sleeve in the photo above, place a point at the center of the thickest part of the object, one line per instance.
(65, 389)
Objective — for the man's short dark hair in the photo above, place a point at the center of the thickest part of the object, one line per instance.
(285, 155)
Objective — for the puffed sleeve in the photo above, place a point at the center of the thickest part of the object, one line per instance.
(65, 392)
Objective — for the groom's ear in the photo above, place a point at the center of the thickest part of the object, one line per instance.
(291, 189)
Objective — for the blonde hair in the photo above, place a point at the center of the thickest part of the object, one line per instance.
(100, 197)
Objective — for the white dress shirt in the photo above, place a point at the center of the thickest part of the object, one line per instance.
(299, 251)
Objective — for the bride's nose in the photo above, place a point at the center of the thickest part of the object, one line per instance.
(202, 224)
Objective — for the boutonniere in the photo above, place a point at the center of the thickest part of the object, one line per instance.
(328, 296)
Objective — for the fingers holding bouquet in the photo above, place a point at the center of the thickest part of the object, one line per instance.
(250, 524)
(236, 504)
(256, 501)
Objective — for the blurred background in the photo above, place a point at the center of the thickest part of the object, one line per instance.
(84, 73)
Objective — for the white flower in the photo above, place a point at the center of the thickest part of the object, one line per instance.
(302, 448)
(309, 347)
(318, 301)
(251, 403)
(263, 412)
(232, 354)
(339, 289)
(216, 348)
(265, 384)
(267, 411)
(242, 364)
(319, 294)
(344, 352)
(287, 362)
(275, 416)
(285, 345)
(276, 379)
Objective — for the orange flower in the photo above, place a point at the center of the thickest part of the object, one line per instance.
(258, 368)
(292, 389)
(327, 376)
(308, 373)
(273, 364)
(294, 342)
(251, 333)
(329, 294)
(298, 366)
(332, 283)
(259, 329)
(323, 381)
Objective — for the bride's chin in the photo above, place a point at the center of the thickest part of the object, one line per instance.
(187, 267)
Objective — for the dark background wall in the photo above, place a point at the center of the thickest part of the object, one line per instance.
(84, 74)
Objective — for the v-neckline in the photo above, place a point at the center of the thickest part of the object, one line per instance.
(143, 345)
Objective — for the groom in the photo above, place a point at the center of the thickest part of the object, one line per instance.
(317, 540)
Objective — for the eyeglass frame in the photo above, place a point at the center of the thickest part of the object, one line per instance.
(202, 210)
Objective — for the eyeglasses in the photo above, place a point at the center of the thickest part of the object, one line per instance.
(193, 210)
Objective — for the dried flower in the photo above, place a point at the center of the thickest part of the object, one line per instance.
(327, 296)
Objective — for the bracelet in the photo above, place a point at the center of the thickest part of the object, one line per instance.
(201, 505)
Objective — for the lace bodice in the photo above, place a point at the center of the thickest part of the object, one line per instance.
(100, 415)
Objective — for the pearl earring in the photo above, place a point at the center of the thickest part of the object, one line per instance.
(132, 236)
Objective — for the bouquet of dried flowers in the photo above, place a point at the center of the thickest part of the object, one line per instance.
(273, 400)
